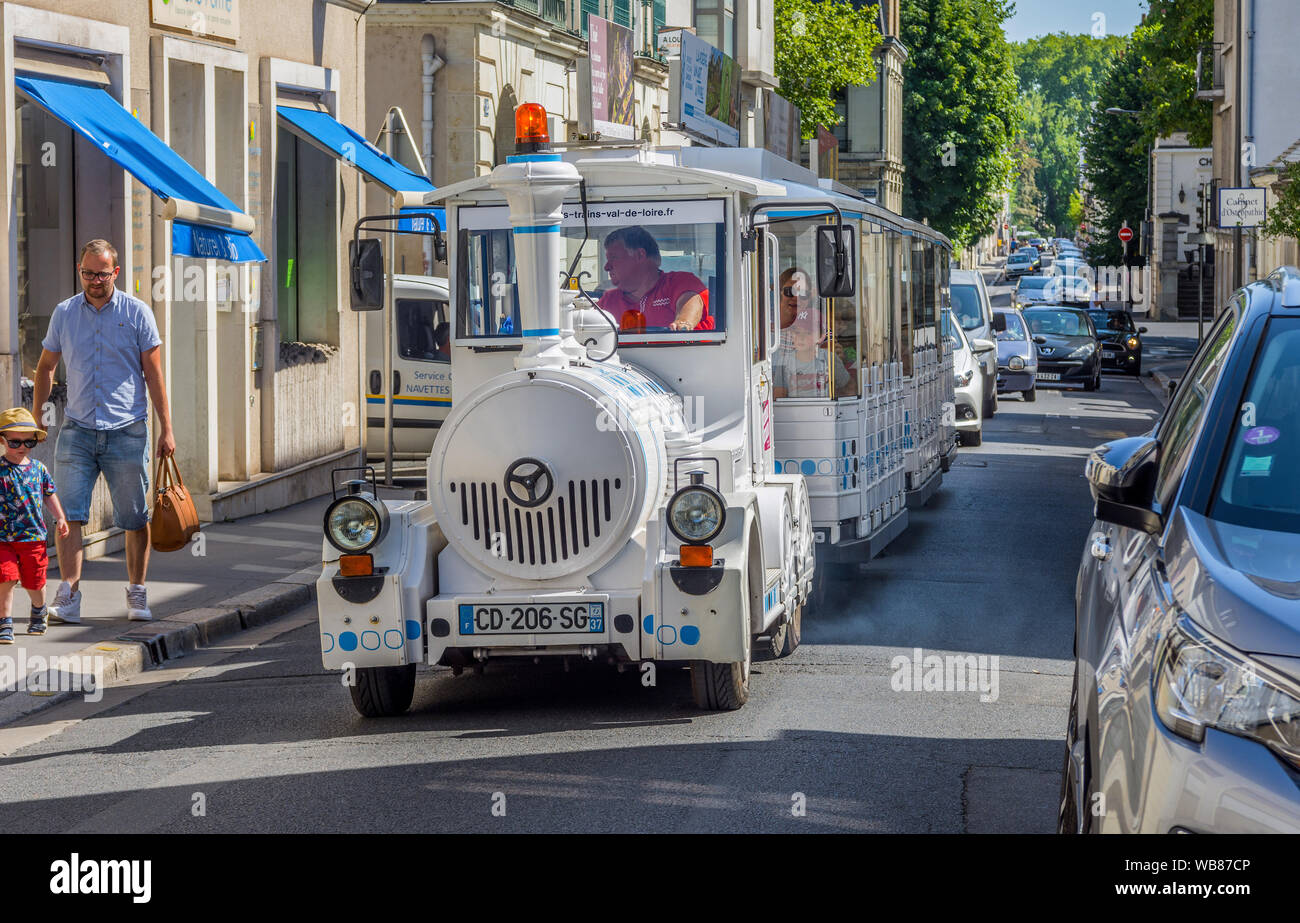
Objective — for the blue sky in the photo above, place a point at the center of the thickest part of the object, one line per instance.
(1040, 17)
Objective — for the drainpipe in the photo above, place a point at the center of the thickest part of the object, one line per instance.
(1249, 67)
(430, 63)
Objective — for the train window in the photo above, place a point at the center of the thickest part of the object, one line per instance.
(818, 336)
(658, 267)
(875, 315)
(422, 330)
(903, 251)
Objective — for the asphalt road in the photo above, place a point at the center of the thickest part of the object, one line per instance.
(262, 739)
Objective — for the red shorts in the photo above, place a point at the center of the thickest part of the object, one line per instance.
(25, 562)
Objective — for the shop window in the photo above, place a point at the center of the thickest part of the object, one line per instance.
(44, 213)
(306, 231)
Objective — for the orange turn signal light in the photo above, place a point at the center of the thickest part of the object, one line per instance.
(530, 125)
(697, 556)
(356, 565)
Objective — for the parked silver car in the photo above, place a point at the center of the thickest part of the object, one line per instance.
(974, 312)
(1185, 714)
(1017, 355)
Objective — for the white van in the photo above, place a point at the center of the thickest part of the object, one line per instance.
(421, 368)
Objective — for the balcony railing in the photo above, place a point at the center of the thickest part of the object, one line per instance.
(1209, 71)
(554, 11)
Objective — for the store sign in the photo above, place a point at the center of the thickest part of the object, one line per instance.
(704, 89)
(208, 18)
(670, 42)
(1242, 208)
(605, 100)
(781, 126)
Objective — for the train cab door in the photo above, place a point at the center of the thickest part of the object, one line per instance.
(764, 325)
(421, 385)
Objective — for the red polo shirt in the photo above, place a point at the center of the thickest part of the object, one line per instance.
(659, 305)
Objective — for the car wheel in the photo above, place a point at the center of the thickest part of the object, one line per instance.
(1137, 369)
(1075, 792)
(721, 686)
(1030, 396)
(793, 632)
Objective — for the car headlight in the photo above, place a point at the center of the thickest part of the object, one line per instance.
(696, 513)
(1202, 682)
(354, 523)
(1083, 352)
(962, 379)
(1015, 363)
(1132, 342)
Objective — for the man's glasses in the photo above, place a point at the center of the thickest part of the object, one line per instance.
(97, 276)
(19, 443)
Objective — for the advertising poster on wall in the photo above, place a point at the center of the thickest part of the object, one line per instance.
(705, 92)
(781, 126)
(605, 98)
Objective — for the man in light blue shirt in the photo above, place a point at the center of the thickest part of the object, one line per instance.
(110, 347)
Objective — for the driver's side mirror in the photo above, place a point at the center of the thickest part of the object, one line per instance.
(1040, 339)
(366, 273)
(835, 261)
(1142, 330)
(999, 322)
(1122, 478)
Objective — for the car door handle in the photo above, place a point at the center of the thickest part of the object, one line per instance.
(1100, 548)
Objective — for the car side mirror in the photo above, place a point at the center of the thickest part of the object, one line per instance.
(1142, 330)
(1173, 386)
(835, 261)
(999, 322)
(1122, 477)
(983, 346)
(1040, 340)
(366, 273)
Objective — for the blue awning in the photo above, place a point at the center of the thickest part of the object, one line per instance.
(338, 140)
(103, 121)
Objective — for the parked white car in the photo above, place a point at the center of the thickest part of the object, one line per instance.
(974, 314)
(967, 384)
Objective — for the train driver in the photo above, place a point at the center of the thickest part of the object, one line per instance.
(643, 295)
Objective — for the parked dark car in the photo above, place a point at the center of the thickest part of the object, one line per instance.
(1068, 350)
(1121, 340)
(1185, 714)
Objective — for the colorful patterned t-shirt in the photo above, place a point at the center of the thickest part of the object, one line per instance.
(22, 489)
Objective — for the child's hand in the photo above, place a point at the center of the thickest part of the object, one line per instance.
(62, 527)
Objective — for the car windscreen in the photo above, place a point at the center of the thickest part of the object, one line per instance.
(1015, 329)
(966, 306)
(658, 267)
(1035, 282)
(1258, 486)
(1111, 321)
(1058, 323)
(1020, 258)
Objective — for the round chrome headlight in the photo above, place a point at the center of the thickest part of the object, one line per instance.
(1015, 363)
(354, 523)
(696, 513)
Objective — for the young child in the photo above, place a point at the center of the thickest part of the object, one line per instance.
(24, 482)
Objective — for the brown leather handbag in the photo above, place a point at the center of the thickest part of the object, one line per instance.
(175, 519)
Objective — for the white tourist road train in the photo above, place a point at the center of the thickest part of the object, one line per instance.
(646, 462)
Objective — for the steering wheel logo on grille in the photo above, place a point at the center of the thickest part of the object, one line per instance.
(529, 482)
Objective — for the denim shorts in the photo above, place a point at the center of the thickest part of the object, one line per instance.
(121, 454)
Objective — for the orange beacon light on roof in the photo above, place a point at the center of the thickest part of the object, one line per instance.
(531, 133)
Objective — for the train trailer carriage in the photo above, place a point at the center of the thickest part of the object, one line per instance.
(646, 461)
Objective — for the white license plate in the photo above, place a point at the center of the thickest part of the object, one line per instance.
(1049, 376)
(1109, 353)
(553, 617)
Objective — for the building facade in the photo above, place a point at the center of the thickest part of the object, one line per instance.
(870, 132)
(1180, 176)
(1249, 76)
(260, 358)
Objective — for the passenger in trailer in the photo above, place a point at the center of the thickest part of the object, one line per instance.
(802, 369)
(796, 291)
(644, 297)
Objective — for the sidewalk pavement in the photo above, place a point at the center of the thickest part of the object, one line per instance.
(233, 576)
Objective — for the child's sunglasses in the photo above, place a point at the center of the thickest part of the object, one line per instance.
(18, 443)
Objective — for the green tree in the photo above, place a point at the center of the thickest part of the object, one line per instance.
(1284, 213)
(1058, 76)
(1166, 43)
(1026, 198)
(1115, 148)
(960, 113)
(821, 48)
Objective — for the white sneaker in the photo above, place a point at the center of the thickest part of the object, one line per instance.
(137, 603)
(66, 607)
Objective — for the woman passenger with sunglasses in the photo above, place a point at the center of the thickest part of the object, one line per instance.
(24, 483)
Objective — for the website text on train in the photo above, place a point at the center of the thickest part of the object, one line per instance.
(686, 381)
